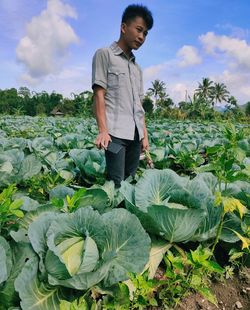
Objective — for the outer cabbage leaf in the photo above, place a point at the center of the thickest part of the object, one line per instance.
(35, 294)
(21, 252)
(96, 198)
(157, 251)
(209, 224)
(60, 192)
(156, 186)
(30, 167)
(22, 233)
(176, 225)
(231, 222)
(15, 166)
(5, 260)
(126, 239)
(90, 162)
(194, 197)
(37, 235)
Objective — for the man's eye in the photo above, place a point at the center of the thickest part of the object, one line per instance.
(139, 29)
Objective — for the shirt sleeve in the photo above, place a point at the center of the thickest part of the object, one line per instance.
(100, 68)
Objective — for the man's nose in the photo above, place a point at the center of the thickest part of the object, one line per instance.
(141, 37)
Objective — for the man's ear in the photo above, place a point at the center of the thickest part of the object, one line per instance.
(123, 28)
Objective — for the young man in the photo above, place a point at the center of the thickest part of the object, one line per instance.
(118, 92)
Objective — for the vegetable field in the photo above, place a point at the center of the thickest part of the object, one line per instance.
(70, 240)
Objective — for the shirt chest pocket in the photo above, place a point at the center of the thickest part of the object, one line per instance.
(116, 78)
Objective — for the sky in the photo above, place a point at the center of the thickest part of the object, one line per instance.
(49, 44)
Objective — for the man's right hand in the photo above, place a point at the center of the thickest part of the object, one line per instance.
(102, 140)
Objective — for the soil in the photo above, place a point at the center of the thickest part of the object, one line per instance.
(233, 294)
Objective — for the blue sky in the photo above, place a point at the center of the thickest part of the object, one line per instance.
(49, 44)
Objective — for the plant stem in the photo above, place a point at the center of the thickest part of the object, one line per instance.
(218, 231)
(182, 252)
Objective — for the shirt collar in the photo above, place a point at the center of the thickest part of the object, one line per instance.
(118, 51)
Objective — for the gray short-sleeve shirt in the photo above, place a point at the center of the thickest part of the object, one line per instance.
(122, 79)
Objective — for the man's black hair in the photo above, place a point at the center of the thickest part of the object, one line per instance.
(138, 10)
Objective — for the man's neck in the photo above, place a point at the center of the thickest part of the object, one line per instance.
(127, 51)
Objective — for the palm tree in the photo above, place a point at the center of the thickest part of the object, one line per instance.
(205, 89)
(220, 92)
(158, 90)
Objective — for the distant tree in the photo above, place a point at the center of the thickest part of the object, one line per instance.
(247, 111)
(219, 93)
(198, 107)
(205, 89)
(68, 106)
(165, 102)
(9, 101)
(24, 92)
(158, 90)
(183, 105)
(83, 102)
(39, 104)
(40, 109)
(232, 105)
(52, 101)
(148, 105)
(232, 101)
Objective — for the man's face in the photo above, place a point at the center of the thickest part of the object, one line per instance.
(134, 33)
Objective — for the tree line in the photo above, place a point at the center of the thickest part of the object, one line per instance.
(26, 102)
(201, 105)
(157, 102)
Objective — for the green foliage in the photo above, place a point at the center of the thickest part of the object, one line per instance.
(23, 101)
(39, 186)
(205, 89)
(144, 291)
(198, 107)
(248, 108)
(212, 92)
(77, 304)
(148, 105)
(76, 249)
(227, 160)
(158, 91)
(186, 272)
(9, 210)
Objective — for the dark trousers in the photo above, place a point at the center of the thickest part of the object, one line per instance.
(124, 163)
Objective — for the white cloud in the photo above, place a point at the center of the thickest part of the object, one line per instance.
(177, 87)
(227, 61)
(189, 56)
(236, 32)
(153, 72)
(73, 79)
(234, 48)
(43, 49)
(237, 83)
(180, 91)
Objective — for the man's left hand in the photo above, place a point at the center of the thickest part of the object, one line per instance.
(145, 144)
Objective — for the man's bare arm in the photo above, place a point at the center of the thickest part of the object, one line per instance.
(103, 138)
(145, 143)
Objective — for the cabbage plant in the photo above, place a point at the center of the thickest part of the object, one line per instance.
(78, 250)
(176, 208)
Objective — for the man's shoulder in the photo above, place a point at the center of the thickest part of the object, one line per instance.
(103, 51)
(138, 66)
